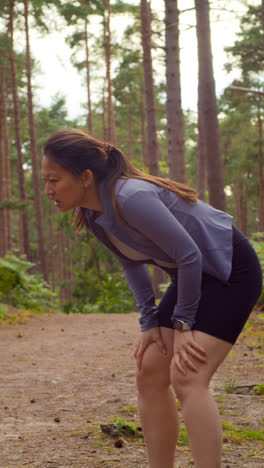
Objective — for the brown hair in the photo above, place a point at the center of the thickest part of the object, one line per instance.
(76, 151)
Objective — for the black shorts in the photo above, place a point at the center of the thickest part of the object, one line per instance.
(224, 307)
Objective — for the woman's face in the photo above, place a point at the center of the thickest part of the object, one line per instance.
(66, 190)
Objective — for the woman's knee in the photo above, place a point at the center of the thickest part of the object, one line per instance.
(155, 370)
(189, 384)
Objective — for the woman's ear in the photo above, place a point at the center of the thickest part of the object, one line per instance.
(87, 178)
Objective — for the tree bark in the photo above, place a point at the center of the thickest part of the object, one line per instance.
(60, 265)
(24, 232)
(104, 125)
(90, 116)
(262, 13)
(241, 207)
(208, 107)
(153, 150)
(52, 279)
(152, 141)
(34, 156)
(130, 133)
(6, 162)
(175, 123)
(201, 166)
(3, 162)
(111, 120)
(143, 130)
(260, 170)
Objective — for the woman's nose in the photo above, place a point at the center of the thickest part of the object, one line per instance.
(48, 190)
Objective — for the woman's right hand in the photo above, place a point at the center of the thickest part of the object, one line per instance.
(148, 337)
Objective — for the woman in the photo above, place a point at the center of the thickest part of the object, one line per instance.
(215, 275)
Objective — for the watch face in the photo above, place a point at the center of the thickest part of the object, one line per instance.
(180, 325)
(177, 325)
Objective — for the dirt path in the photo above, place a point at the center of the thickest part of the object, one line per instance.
(61, 376)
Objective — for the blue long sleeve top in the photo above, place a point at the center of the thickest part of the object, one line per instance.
(160, 224)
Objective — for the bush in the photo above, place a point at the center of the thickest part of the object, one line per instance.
(258, 244)
(20, 288)
(109, 294)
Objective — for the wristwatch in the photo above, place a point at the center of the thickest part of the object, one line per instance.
(180, 325)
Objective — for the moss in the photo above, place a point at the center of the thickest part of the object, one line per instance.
(258, 390)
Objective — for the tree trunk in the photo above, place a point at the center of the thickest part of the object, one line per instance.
(24, 232)
(130, 133)
(208, 107)
(60, 265)
(3, 163)
(90, 116)
(152, 141)
(153, 150)
(201, 166)
(6, 162)
(52, 279)
(143, 130)
(34, 156)
(111, 120)
(104, 125)
(262, 13)
(175, 123)
(260, 169)
(241, 207)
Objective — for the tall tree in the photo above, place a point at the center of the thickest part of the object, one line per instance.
(201, 166)
(152, 140)
(248, 55)
(77, 14)
(175, 123)
(34, 155)
(88, 80)
(4, 150)
(24, 234)
(260, 167)
(110, 108)
(262, 13)
(208, 106)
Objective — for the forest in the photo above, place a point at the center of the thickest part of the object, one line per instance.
(137, 105)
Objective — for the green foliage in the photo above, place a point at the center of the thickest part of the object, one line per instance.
(100, 285)
(258, 244)
(129, 409)
(258, 390)
(20, 288)
(108, 294)
(183, 437)
(236, 433)
(3, 311)
(125, 428)
(13, 205)
(247, 51)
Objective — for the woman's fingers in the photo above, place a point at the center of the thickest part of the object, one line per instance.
(188, 362)
(139, 356)
(161, 346)
(198, 348)
(180, 367)
(195, 355)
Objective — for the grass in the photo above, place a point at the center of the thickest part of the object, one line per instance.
(183, 437)
(125, 428)
(229, 387)
(128, 409)
(259, 390)
(236, 433)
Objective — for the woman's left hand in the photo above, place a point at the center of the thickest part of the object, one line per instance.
(184, 347)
